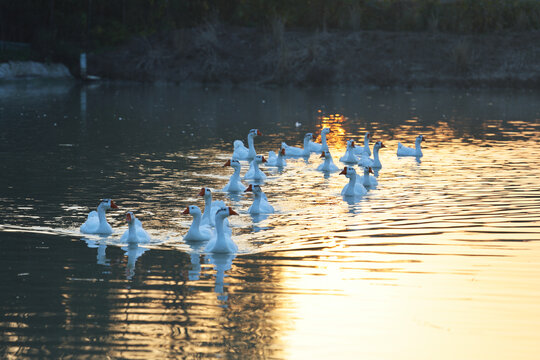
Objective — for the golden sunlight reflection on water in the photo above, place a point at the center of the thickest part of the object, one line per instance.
(439, 261)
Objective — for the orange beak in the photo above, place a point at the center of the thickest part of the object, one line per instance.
(344, 171)
(113, 205)
(249, 188)
(352, 144)
(186, 211)
(382, 145)
(370, 171)
(423, 138)
(283, 152)
(228, 163)
(232, 212)
(258, 133)
(323, 155)
(128, 218)
(201, 193)
(263, 160)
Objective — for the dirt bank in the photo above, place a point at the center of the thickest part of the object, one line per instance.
(217, 53)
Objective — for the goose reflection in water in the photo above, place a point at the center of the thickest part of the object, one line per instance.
(194, 273)
(101, 250)
(222, 263)
(133, 251)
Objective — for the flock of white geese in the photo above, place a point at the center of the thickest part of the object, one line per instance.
(212, 226)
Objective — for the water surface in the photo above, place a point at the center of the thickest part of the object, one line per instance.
(439, 261)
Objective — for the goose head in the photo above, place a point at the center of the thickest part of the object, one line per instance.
(255, 189)
(348, 171)
(308, 136)
(367, 136)
(350, 144)
(282, 152)
(232, 163)
(192, 210)
(205, 192)
(420, 138)
(225, 211)
(254, 132)
(259, 159)
(107, 204)
(130, 217)
(325, 131)
(368, 170)
(379, 145)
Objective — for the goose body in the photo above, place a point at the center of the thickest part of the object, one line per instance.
(222, 242)
(323, 146)
(328, 164)
(354, 187)
(254, 172)
(241, 152)
(296, 151)
(235, 183)
(367, 180)
(135, 232)
(277, 160)
(365, 160)
(96, 223)
(349, 157)
(210, 207)
(197, 232)
(260, 202)
(365, 149)
(403, 150)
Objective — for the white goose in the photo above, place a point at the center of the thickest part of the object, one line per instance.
(349, 157)
(276, 160)
(96, 223)
(403, 150)
(221, 242)
(353, 188)
(235, 183)
(328, 164)
(365, 160)
(241, 152)
(369, 181)
(365, 149)
(210, 207)
(296, 151)
(323, 146)
(260, 202)
(254, 172)
(135, 232)
(197, 232)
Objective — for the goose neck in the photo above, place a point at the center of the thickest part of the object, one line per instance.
(376, 153)
(306, 142)
(101, 215)
(196, 221)
(219, 228)
(251, 144)
(132, 232)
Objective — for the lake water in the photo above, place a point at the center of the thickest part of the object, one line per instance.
(440, 261)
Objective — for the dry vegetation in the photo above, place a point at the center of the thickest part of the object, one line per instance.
(217, 53)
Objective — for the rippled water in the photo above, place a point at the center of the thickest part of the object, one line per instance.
(441, 260)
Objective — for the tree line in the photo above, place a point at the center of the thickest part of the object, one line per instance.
(62, 28)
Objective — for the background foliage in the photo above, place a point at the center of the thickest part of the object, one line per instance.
(59, 29)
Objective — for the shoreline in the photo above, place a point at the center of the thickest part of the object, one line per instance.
(223, 54)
